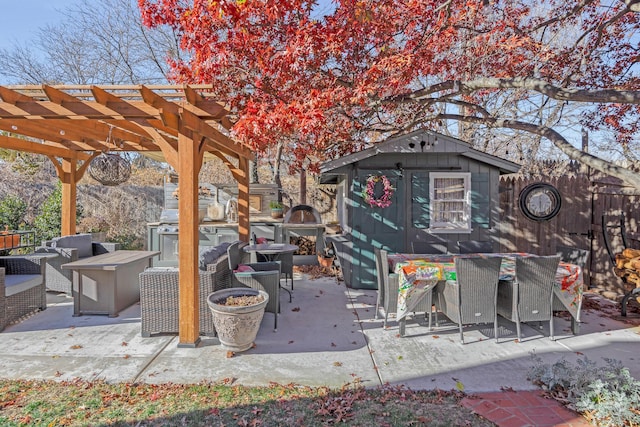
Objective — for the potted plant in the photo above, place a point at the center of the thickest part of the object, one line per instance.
(276, 209)
(325, 258)
(237, 313)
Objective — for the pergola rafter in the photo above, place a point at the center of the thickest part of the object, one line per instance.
(73, 124)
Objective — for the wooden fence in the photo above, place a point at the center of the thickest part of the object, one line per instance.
(585, 199)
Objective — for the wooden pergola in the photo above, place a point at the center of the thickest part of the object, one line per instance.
(73, 124)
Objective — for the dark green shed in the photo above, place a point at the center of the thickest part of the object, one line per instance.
(442, 189)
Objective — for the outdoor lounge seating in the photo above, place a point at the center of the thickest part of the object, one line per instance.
(68, 249)
(159, 293)
(471, 298)
(22, 289)
(529, 297)
(388, 290)
(260, 275)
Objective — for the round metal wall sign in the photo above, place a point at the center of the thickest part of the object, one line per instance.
(540, 201)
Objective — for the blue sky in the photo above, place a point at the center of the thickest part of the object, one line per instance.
(21, 19)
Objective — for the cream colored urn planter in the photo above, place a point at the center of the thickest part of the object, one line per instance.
(237, 314)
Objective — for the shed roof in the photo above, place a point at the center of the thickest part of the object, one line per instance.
(416, 142)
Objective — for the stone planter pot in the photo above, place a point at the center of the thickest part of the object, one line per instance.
(276, 213)
(237, 326)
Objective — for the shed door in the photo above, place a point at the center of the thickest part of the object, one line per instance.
(375, 227)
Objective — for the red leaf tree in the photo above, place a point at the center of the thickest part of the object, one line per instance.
(330, 78)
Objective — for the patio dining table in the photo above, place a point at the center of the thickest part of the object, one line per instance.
(418, 274)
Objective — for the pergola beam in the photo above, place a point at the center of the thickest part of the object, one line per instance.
(75, 123)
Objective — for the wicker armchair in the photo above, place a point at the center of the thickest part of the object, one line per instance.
(475, 247)
(59, 279)
(471, 299)
(260, 275)
(22, 289)
(388, 288)
(430, 247)
(529, 297)
(159, 302)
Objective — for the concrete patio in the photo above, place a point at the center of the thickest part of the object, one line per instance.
(326, 336)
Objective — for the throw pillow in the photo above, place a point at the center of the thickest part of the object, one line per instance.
(242, 268)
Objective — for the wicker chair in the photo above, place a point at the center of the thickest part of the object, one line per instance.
(59, 279)
(475, 247)
(471, 299)
(573, 256)
(264, 276)
(22, 289)
(388, 287)
(429, 247)
(159, 302)
(529, 297)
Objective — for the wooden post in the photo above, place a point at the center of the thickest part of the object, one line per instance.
(189, 162)
(243, 200)
(69, 194)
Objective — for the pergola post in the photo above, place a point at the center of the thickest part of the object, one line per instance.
(189, 163)
(244, 227)
(69, 195)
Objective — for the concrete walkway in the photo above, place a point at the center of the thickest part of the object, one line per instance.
(327, 336)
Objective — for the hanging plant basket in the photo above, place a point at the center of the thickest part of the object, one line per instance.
(110, 169)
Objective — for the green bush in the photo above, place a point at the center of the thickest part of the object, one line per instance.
(48, 224)
(12, 212)
(607, 395)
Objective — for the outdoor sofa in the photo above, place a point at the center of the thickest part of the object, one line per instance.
(69, 248)
(159, 293)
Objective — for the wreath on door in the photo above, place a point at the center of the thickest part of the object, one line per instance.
(369, 193)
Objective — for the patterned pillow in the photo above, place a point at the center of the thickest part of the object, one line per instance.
(210, 254)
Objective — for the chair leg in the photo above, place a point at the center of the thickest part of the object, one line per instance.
(495, 327)
(430, 314)
(461, 334)
(551, 328)
(518, 329)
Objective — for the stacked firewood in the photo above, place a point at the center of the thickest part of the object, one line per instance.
(305, 245)
(628, 267)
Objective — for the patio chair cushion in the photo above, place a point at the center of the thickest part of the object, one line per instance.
(82, 242)
(16, 283)
(210, 254)
(243, 269)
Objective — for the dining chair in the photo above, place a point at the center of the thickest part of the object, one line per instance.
(573, 255)
(475, 247)
(420, 247)
(471, 298)
(529, 297)
(388, 288)
(260, 275)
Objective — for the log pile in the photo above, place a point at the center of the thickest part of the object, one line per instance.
(306, 246)
(628, 267)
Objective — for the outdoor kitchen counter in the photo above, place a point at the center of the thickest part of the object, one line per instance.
(225, 224)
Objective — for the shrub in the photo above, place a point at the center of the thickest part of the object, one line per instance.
(607, 395)
(12, 212)
(48, 223)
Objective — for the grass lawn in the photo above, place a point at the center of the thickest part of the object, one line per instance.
(79, 403)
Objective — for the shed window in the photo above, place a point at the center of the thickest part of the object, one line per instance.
(450, 207)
